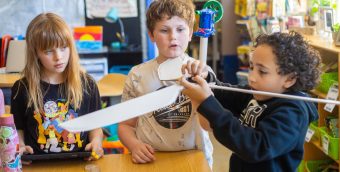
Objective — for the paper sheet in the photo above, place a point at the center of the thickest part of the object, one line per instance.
(99, 8)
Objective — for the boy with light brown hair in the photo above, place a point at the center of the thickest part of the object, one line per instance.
(176, 127)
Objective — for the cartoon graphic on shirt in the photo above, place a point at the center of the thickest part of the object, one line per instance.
(250, 114)
(175, 115)
(51, 137)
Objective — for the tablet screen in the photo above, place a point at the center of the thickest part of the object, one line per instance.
(68, 155)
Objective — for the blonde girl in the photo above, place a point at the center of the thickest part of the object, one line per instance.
(53, 89)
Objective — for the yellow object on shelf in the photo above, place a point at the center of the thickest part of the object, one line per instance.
(243, 54)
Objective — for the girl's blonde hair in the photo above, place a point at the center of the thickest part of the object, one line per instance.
(48, 31)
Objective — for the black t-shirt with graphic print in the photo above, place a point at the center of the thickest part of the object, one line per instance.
(41, 130)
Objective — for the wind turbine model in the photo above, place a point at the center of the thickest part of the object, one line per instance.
(211, 13)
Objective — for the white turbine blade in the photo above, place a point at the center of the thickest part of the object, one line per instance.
(124, 111)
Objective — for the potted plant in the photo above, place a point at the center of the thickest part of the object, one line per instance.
(335, 30)
(315, 9)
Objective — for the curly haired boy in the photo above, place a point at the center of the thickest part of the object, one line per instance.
(264, 133)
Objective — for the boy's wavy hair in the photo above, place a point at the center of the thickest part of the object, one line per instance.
(294, 56)
(159, 9)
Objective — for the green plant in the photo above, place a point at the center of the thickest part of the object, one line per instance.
(336, 27)
(104, 104)
(316, 4)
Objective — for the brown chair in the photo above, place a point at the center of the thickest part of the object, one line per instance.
(111, 85)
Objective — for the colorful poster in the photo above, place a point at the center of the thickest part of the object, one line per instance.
(88, 38)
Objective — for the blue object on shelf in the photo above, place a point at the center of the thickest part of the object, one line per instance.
(230, 63)
(123, 69)
(206, 23)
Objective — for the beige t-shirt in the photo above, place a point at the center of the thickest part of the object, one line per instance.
(172, 128)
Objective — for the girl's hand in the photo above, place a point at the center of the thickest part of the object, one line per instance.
(25, 150)
(142, 153)
(195, 67)
(96, 148)
(198, 91)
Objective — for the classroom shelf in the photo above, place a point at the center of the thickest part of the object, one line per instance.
(317, 144)
(322, 43)
(318, 93)
(329, 54)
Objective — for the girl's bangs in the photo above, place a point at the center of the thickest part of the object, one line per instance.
(53, 37)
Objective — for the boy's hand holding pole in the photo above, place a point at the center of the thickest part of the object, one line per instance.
(198, 91)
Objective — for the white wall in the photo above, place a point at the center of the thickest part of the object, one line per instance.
(16, 14)
(230, 37)
(337, 18)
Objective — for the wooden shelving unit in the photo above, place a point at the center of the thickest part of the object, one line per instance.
(318, 94)
(318, 145)
(329, 52)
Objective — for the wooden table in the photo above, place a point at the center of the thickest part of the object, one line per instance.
(110, 85)
(7, 80)
(188, 161)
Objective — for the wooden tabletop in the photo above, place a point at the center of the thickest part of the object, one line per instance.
(188, 161)
(7, 80)
(109, 85)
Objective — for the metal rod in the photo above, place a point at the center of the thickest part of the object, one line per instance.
(203, 50)
(309, 99)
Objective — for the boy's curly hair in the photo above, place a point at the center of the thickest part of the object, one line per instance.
(159, 9)
(294, 56)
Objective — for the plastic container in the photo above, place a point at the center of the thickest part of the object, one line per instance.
(327, 80)
(314, 126)
(333, 144)
(301, 167)
(9, 145)
(316, 165)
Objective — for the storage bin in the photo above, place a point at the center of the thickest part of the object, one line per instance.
(301, 167)
(314, 126)
(327, 80)
(96, 67)
(333, 145)
(317, 165)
